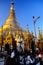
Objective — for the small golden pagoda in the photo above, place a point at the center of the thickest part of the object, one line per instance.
(40, 39)
(28, 38)
(39, 34)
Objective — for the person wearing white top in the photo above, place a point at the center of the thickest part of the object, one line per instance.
(12, 54)
(38, 63)
(27, 59)
(21, 60)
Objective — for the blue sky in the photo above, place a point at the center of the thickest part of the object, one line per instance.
(24, 10)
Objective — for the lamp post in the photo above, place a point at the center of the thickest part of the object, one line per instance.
(35, 20)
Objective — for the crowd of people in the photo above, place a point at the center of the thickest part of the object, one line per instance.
(20, 56)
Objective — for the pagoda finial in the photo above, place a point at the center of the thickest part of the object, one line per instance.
(12, 11)
(12, 1)
(27, 28)
(12, 4)
(39, 31)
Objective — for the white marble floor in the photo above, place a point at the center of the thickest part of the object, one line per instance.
(1, 61)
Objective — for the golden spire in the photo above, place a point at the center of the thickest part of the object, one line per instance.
(39, 34)
(12, 12)
(11, 20)
(27, 30)
(12, 15)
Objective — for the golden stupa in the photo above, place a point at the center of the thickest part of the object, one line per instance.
(12, 23)
(39, 40)
(11, 30)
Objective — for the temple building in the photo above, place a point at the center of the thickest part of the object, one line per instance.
(11, 25)
(39, 40)
(11, 30)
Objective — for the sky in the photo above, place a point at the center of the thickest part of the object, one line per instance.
(24, 10)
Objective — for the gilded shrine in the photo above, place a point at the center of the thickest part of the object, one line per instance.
(11, 30)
